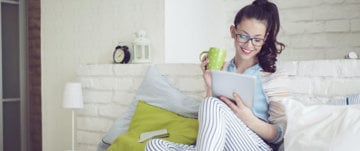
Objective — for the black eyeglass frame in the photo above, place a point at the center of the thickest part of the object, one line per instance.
(246, 38)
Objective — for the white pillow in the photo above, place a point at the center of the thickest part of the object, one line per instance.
(321, 127)
(155, 90)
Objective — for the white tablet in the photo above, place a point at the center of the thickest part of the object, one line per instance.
(225, 83)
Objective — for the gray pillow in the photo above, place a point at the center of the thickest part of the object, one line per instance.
(155, 90)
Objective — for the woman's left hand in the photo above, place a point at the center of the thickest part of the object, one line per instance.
(240, 109)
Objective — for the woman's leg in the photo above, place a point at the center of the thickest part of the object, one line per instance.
(163, 145)
(220, 129)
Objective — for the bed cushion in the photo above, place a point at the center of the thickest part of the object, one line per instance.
(321, 127)
(158, 91)
(148, 118)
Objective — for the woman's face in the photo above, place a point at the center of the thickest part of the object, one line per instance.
(249, 36)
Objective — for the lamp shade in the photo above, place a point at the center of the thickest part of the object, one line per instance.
(73, 95)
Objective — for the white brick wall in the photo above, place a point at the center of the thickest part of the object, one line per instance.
(109, 89)
(320, 29)
(324, 78)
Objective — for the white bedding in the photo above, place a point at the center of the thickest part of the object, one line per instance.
(321, 127)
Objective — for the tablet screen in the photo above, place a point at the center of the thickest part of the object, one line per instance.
(225, 83)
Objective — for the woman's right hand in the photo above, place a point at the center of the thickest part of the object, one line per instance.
(206, 74)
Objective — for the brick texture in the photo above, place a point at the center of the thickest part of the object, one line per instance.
(319, 29)
(34, 141)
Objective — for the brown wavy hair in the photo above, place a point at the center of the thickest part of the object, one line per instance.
(266, 11)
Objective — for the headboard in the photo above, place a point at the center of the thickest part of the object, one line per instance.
(110, 88)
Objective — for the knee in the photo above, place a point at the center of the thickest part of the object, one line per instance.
(210, 104)
(160, 145)
(152, 144)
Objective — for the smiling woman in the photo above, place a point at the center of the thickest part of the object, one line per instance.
(226, 123)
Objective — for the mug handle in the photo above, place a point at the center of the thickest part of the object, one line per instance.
(202, 55)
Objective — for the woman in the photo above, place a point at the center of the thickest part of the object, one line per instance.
(224, 125)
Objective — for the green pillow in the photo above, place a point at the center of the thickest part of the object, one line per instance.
(148, 118)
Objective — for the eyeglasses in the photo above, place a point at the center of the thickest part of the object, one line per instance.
(241, 38)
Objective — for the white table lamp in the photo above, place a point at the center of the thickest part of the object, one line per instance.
(73, 99)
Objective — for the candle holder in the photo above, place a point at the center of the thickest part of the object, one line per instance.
(141, 48)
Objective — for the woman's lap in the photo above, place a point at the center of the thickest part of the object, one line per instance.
(219, 129)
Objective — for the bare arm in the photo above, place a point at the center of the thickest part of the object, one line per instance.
(206, 76)
(265, 130)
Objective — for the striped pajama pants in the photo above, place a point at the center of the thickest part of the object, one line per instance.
(219, 129)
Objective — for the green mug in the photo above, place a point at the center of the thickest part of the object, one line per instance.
(216, 58)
